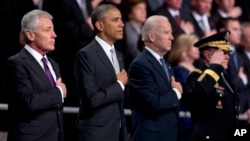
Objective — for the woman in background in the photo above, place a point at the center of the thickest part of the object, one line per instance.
(136, 13)
(182, 57)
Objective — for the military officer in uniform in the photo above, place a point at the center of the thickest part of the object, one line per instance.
(213, 99)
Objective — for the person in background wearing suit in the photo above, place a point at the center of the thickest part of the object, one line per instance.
(236, 65)
(201, 20)
(213, 98)
(154, 92)
(35, 99)
(101, 79)
(74, 31)
(179, 18)
(137, 14)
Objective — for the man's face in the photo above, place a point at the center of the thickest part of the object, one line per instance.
(163, 37)
(43, 38)
(246, 38)
(112, 26)
(174, 4)
(235, 32)
(202, 6)
(138, 13)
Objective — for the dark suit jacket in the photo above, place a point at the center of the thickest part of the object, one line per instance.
(35, 106)
(198, 30)
(184, 14)
(242, 89)
(154, 103)
(101, 112)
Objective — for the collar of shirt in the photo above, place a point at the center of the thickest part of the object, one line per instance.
(222, 13)
(232, 48)
(156, 55)
(198, 17)
(39, 57)
(35, 54)
(201, 17)
(105, 46)
(174, 12)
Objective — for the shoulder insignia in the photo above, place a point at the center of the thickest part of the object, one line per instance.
(197, 71)
(211, 73)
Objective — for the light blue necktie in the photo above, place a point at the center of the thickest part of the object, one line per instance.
(114, 60)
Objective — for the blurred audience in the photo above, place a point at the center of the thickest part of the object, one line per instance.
(203, 24)
(235, 69)
(244, 5)
(179, 18)
(137, 14)
(225, 9)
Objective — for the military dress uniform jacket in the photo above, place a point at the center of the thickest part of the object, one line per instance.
(213, 104)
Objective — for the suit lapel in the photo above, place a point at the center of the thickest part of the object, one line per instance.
(104, 58)
(156, 66)
(35, 66)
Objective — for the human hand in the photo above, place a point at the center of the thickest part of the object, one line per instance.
(122, 76)
(176, 85)
(187, 27)
(241, 73)
(217, 57)
(209, 33)
(60, 84)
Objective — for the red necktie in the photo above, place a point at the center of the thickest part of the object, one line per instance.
(177, 19)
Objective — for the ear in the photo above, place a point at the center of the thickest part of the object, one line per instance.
(30, 35)
(99, 25)
(151, 36)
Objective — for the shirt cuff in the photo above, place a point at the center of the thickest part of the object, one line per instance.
(244, 79)
(61, 92)
(178, 94)
(122, 86)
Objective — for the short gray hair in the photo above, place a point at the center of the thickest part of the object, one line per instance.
(30, 20)
(151, 25)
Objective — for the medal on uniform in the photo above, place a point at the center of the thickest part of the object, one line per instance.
(219, 105)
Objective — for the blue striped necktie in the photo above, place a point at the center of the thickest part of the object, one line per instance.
(165, 68)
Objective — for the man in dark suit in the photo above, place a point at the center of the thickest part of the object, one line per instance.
(153, 90)
(203, 24)
(213, 99)
(100, 80)
(36, 90)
